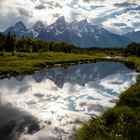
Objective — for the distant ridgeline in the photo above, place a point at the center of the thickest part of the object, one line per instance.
(10, 43)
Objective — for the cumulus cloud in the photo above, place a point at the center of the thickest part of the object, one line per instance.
(24, 12)
(51, 3)
(100, 12)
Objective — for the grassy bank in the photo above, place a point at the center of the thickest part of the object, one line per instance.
(121, 122)
(25, 63)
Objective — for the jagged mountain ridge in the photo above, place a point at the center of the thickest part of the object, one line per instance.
(20, 30)
(80, 33)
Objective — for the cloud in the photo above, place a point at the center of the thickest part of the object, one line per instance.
(9, 19)
(14, 122)
(52, 3)
(40, 7)
(98, 21)
(93, 0)
(118, 24)
(136, 24)
(86, 0)
(24, 12)
(57, 5)
(33, 0)
(56, 15)
(74, 15)
(124, 4)
(97, 11)
(95, 7)
(1, 3)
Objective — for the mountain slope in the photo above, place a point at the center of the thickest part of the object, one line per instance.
(37, 28)
(82, 34)
(79, 33)
(19, 29)
(134, 36)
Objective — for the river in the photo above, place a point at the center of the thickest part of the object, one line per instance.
(52, 103)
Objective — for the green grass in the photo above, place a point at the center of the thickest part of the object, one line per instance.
(121, 122)
(24, 63)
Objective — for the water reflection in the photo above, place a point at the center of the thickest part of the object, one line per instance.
(62, 98)
(78, 74)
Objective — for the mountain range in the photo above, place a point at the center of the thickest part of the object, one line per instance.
(80, 33)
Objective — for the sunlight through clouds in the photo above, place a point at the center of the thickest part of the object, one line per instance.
(106, 13)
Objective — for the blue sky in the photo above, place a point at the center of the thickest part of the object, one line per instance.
(118, 16)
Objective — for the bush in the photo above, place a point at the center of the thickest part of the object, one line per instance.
(92, 129)
(120, 122)
(131, 97)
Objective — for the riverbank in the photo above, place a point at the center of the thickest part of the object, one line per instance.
(61, 98)
(28, 63)
(121, 122)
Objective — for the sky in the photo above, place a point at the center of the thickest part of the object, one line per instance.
(117, 16)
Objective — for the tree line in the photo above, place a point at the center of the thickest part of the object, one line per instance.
(132, 49)
(10, 43)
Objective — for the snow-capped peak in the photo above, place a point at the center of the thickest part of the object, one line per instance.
(38, 25)
(60, 25)
(37, 28)
(20, 26)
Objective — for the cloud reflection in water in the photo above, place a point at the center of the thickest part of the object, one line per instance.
(62, 98)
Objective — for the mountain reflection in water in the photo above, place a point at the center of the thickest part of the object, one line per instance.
(52, 103)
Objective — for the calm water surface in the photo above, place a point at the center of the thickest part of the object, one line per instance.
(52, 103)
